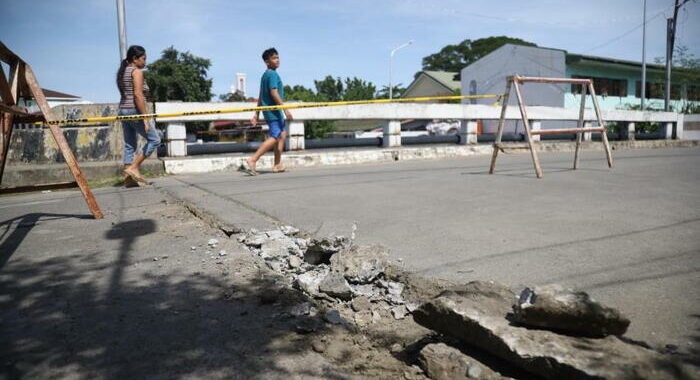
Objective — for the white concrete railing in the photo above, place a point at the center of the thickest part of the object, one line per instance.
(393, 113)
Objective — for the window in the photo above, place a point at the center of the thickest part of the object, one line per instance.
(657, 90)
(603, 86)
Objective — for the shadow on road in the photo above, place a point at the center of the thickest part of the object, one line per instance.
(12, 238)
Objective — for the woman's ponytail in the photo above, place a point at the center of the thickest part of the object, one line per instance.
(132, 53)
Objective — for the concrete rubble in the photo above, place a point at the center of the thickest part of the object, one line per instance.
(479, 315)
(442, 362)
(548, 331)
(332, 268)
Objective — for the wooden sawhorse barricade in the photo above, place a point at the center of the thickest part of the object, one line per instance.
(516, 81)
(23, 84)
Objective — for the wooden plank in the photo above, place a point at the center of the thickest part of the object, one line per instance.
(16, 72)
(526, 124)
(6, 55)
(72, 163)
(561, 131)
(503, 146)
(49, 186)
(554, 80)
(581, 112)
(601, 123)
(6, 121)
(15, 110)
(501, 124)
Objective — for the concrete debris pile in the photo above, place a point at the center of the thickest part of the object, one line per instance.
(546, 331)
(333, 269)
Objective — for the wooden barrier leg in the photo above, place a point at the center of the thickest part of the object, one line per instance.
(526, 124)
(580, 125)
(608, 153)
(5, 136)
(62, 143)
(501, 125)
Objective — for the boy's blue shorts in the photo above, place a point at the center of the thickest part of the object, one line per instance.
(276, 128)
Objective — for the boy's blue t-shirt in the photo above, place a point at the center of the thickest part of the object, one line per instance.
(270, 80)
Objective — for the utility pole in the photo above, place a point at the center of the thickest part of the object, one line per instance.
(644, 54)
(670, 38)
(121, 22)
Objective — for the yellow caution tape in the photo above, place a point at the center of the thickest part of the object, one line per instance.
(264, 108)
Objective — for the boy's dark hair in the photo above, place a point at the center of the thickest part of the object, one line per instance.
(269, 53)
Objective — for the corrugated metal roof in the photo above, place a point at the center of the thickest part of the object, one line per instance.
(446, 78)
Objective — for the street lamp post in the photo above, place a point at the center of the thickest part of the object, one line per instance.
(390, 59)
(121, 24)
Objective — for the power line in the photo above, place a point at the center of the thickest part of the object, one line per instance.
(625, 34)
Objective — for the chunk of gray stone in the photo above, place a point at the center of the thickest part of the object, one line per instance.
(475, 313)
(213, 242)
(393, 291)
(255, 240)
(276, 264)
(442, 362)
(335, 285)
(555, 308)
(275, 234)
(308, 282)
(360, 304)
(319, 251)
(399, 312)
(294, 262)
(277, 248)
(361, 264)
(289, 230)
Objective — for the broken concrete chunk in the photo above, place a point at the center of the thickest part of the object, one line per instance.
(213, 242)
(276, 264)
(442, 362)
(555, 308)
(294, 262)
(275, 234)
(475, 313)
(277, 248)
(361, 264)
(399, 312)
(320, 250)
(309, 281)
(360, 304)
(289, 230)
(334, 285)
(255, 240)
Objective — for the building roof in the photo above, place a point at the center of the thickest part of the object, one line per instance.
(56, 94)
(445, 78)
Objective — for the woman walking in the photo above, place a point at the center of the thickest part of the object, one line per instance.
(133, 90)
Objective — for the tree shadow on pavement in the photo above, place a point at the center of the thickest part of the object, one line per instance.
(73, 316)
(11, 240)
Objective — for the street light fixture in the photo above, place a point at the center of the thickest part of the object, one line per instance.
(390, 59)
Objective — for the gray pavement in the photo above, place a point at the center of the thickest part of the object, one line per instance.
(629, 236)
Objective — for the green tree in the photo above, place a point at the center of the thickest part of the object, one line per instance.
(329, 89)
(232, 97)
(299, 93)
(179, 76)
(456, 57)
(396, 92)
(357, 89)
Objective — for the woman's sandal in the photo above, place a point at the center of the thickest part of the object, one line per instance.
(279, 170)
(136, 177)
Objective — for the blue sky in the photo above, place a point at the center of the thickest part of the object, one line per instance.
(73, 47)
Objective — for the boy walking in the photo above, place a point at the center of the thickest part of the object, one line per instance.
(271, 93)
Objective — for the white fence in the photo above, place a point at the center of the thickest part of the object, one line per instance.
(671, 122)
